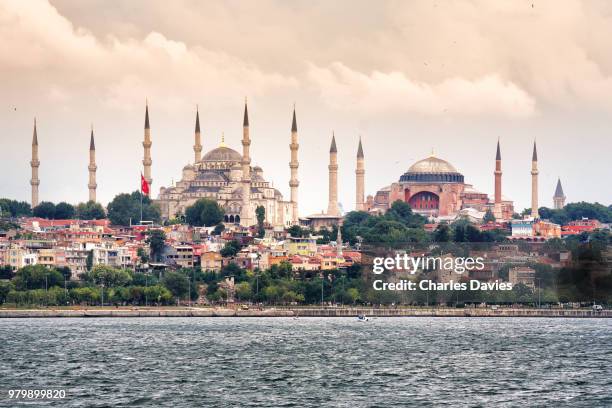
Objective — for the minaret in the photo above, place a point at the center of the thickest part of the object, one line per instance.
(332, 206)
(245, 214)
(359, 175)
(559, 197)
(92, 168)
(534, 183)
(339, 242)
(147, 149)
(197, 147)
(293, 166)
(497, 206)
(34, 182)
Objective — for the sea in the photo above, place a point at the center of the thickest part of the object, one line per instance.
(307, 362)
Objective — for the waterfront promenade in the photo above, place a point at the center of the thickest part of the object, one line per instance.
(301, 312)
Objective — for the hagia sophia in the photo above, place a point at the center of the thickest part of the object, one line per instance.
(432, 187)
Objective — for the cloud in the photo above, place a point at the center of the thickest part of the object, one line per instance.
(343, 88)
(38, 44)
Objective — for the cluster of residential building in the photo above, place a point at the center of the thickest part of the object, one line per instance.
(79, 244)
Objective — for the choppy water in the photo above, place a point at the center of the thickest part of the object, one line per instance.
(329, 362)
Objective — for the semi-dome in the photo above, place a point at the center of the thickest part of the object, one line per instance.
(222, 153)
(432, 169)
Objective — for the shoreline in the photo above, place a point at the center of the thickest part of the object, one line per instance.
(301, 312)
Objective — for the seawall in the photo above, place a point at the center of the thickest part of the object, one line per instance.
(303, 312)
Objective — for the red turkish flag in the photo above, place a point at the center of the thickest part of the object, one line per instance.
(144, 186)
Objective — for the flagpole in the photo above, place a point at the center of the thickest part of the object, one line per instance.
(140, 198)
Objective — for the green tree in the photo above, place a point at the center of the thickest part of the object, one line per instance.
(90, 211)
(125, 208)
(219, 228)
(5, 288)
(142, 255)
(488, 217)
(156, 240)
(64, 211)
(14, 208)
(36, 277)
(158, 294)
(295, 231)
(176, 282)
(230, 249)
(260, 213)
(442, 233)
(244, 291)
(204, 212)
(401, 211)
(109, 276)
(89, 260)
(353, 295)
(6, 272)
(45, 209)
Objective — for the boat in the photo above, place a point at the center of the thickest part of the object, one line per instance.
(363, 318)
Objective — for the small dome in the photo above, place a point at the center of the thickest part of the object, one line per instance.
(188, 167)
(432, 165)
(222, 154)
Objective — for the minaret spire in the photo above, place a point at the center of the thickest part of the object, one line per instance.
(293, 166)
(146, 161)
(245, 213)
(534, 182)
(359, 179)
(559, 197)
(92, 167)
(332, 205)
(197, 147)
(497, 205)
(34, 164)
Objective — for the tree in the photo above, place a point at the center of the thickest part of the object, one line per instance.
(90, 211)
(14, 208)
(219, 228)
(488, 217)
(204, 213)
(442, 233)
(156, 240)
(45, 209)
(230, 249)
(144, 257)
(64, 211)
(353, 295)
(295, 231)
(109, 276)
(125, 209)
(6, 272)
(89, 260)
(243, 291)
(176, 282)
(401, 211)
(5, 288)
(260, 213)
(37, 277)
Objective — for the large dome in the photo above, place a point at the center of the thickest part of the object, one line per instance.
(433, 170)
(432, 165)
(222, 154)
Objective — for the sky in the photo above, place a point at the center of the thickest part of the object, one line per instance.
(408, 77)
